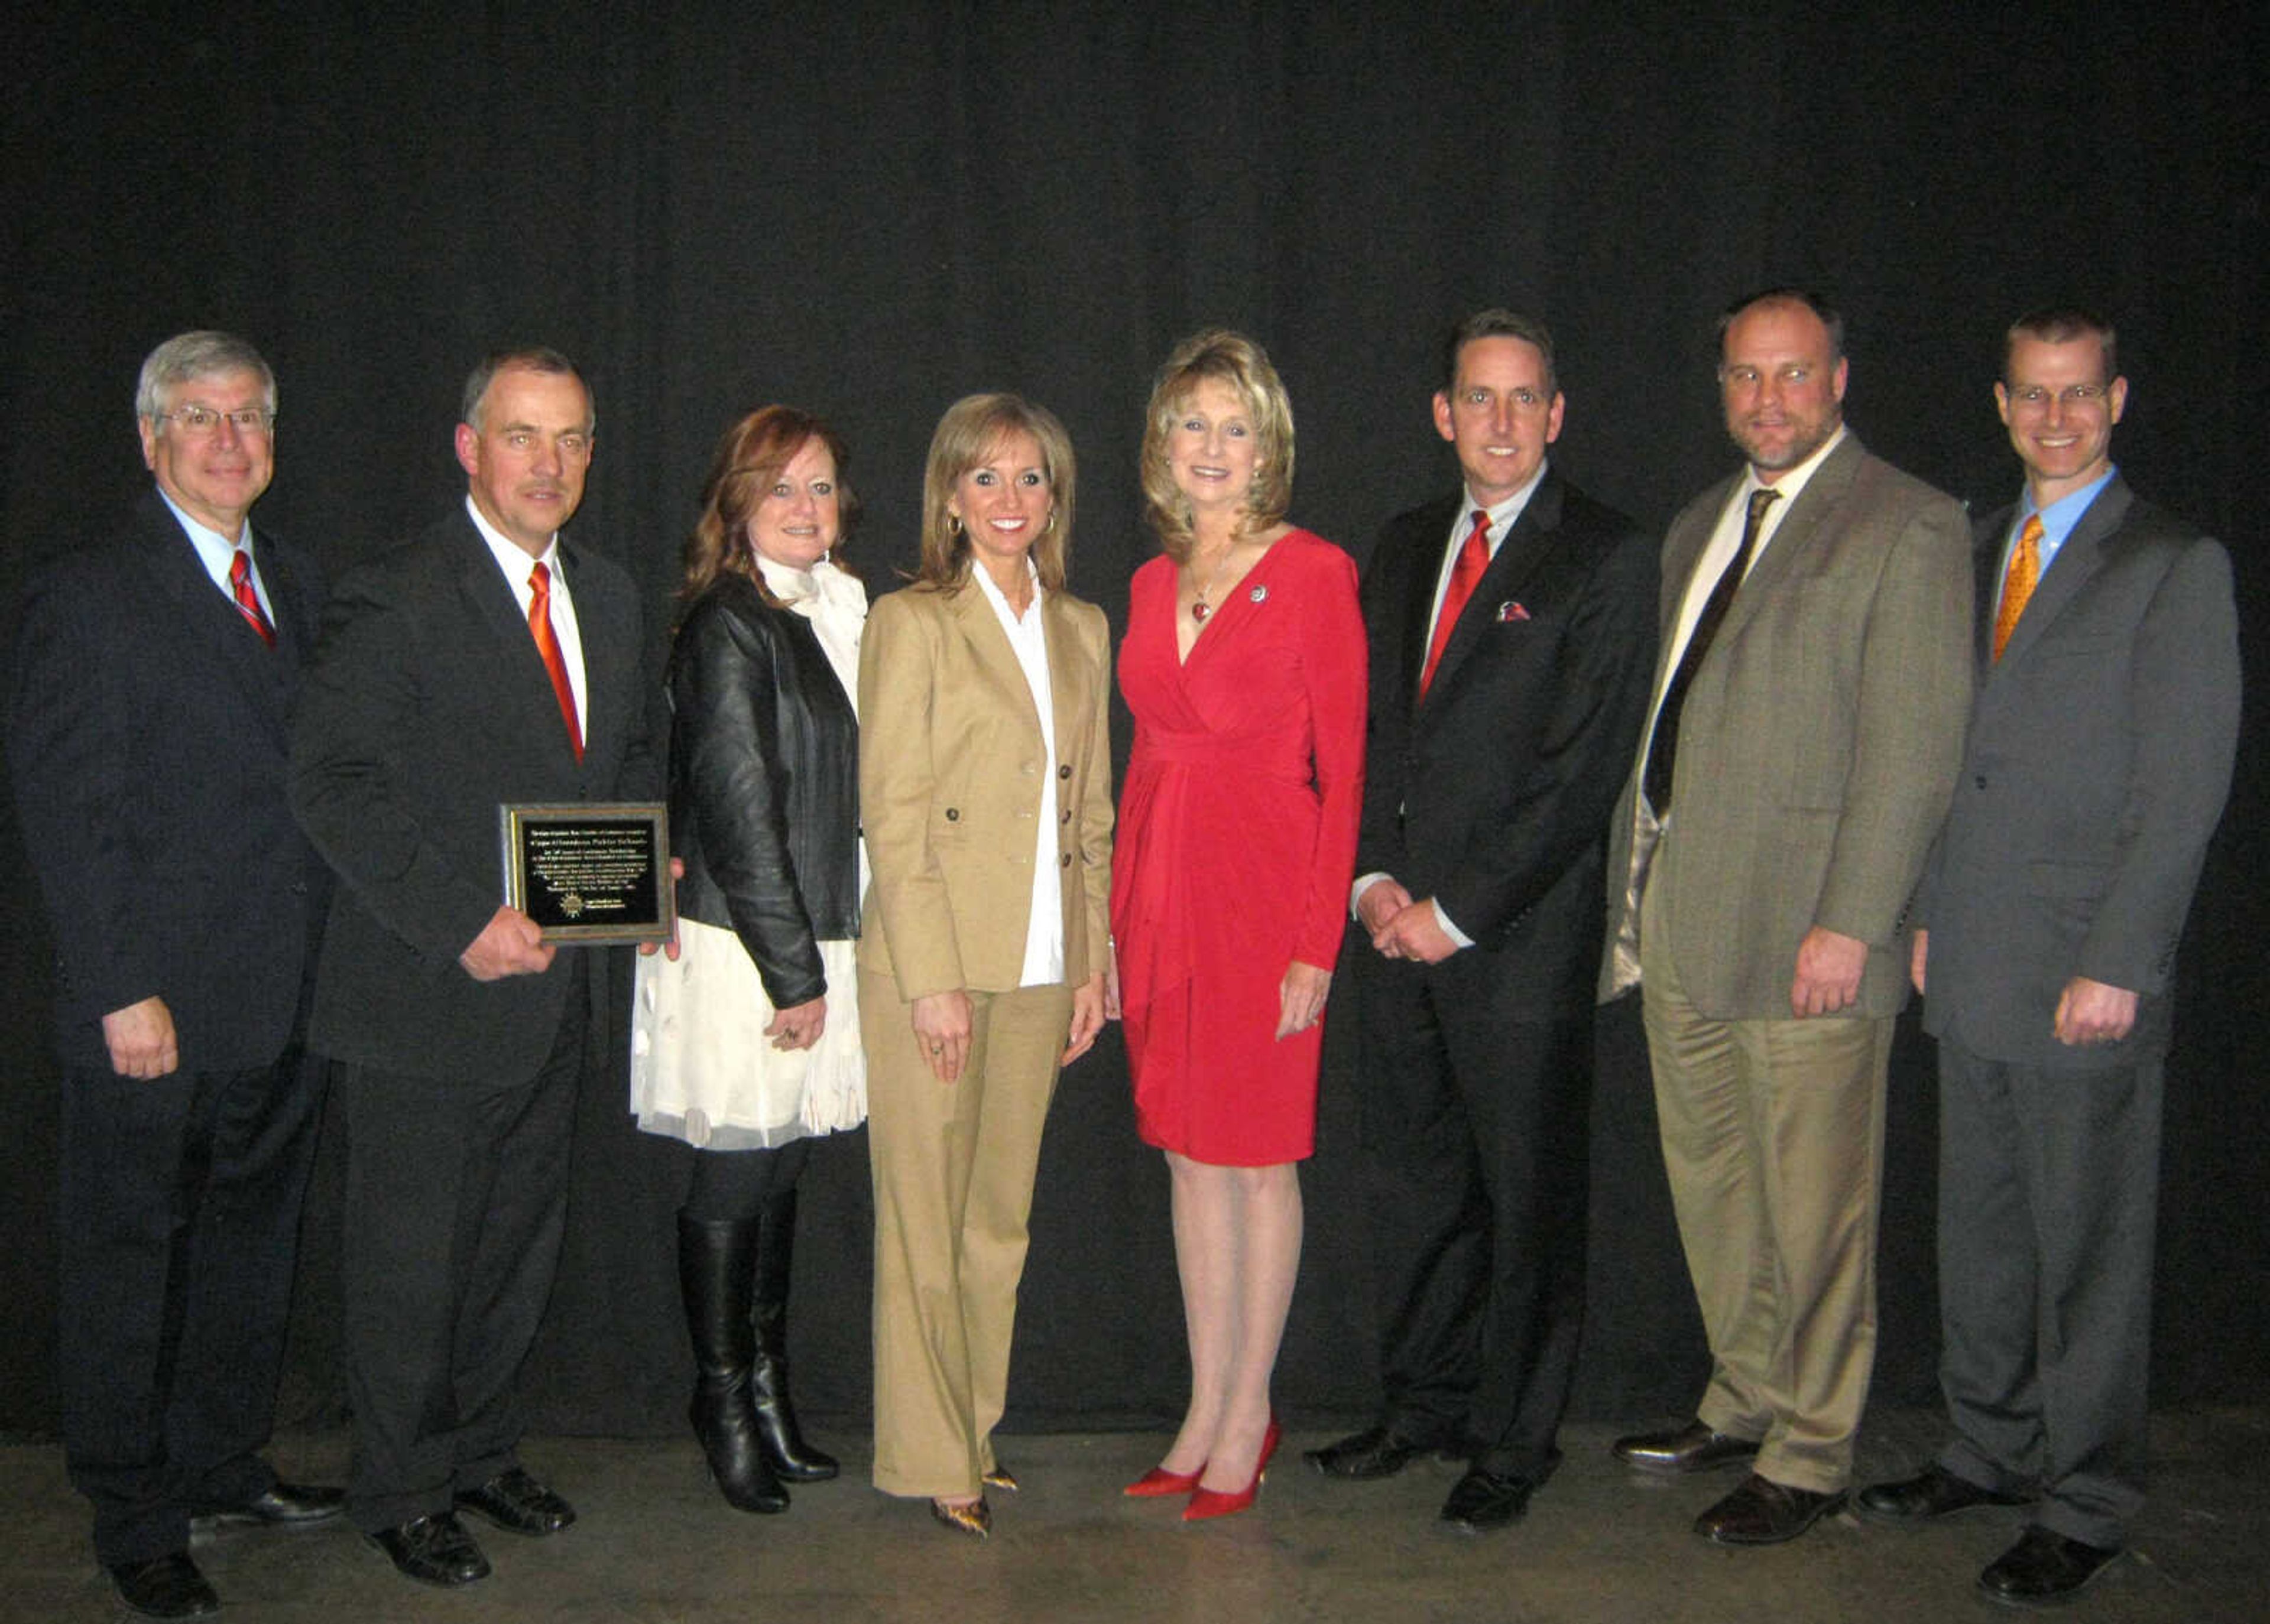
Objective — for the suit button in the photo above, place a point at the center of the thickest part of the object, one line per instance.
(1063, 817)
(1979, 782)
(1064, 861)
(1064, 771)
(953, 815)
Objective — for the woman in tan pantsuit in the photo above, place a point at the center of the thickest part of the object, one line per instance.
(985, 791)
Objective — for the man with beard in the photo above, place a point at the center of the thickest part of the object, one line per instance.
(1810, 699)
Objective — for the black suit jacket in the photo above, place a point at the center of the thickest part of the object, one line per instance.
(2098, 757)
(427, 708)
(1492, 794)
(148, 727)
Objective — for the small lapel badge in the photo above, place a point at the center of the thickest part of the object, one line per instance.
(1510, 610)
(1259, 594)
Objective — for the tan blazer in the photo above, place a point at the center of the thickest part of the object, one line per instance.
(950, 763)
(1819, 741)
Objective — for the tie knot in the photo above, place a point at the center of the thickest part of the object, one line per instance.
(239, 566)
(1482, 522)
(1762, 499)
(539, 580)
(2029, 535)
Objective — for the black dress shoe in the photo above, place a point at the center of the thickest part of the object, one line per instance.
(2044, 1569)
(1486, 1500)
(433, 1550)
(1765, 1512)
(1691, 1447)
(1376, 1452)
(1933, 1492)
(165, 1587)
(518, 1503)
(282, 1505)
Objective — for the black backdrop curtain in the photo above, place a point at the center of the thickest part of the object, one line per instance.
(870, 209)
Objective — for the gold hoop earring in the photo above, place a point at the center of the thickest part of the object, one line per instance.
(953, 521)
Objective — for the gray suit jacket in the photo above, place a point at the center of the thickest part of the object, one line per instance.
(2099, 755)
(1819, 738)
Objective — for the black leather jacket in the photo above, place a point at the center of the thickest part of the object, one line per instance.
(764, 785)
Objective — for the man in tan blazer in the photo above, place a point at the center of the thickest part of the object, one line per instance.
(1810, 697)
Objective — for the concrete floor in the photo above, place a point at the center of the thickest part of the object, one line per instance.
(656, 1545)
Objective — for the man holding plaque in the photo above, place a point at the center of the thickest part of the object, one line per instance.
(486, 664)
(155, 669)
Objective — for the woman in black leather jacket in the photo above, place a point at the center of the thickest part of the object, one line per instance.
(746, 1045)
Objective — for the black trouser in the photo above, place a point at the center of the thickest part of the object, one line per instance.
(179, 1224)
(1476, 1125)
(457, 1200)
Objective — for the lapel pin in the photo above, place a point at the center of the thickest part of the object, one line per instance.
(1510, 610)
(1259, 594)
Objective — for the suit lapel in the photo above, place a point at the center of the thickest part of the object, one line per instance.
(2080, 557)
(528, 689)
(211, 624)
(1526, 547)
(981, 628)
(1069, 698)
(1423, 541)
(1799, 529)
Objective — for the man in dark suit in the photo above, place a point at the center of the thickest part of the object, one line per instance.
(1808, 717)
(486, 662)
(155, 677)
(1511, 632)
(2100, 752)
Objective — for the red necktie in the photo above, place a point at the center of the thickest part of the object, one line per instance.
(247, 601)
(1474, 558)
(539, 621)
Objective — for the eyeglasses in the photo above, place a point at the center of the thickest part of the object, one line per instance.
(2073, 396)
(1790, 375)
(199, 421)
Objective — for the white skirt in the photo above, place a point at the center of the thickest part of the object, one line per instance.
(702, 1069)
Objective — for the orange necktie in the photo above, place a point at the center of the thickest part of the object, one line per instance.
(2018, 583)
(539, 621)
(1474, 558)
(247, 601)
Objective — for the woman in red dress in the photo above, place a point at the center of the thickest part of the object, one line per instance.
(1244, 667)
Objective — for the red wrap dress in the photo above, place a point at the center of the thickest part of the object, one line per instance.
(1236, 846)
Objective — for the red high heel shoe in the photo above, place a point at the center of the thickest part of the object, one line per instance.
(1159, 1482)
(1213, 1502)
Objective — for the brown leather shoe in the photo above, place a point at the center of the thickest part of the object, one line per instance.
(1691, 1447)
(1765, 1512)
(1932, 1493)
(2044, 1569)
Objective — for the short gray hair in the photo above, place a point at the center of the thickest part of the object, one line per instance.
(204, 353)
(534, 358)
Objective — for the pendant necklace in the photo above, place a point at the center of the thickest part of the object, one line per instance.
(1199, 608)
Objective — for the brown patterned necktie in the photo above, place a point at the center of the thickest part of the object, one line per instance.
(2018, 582)
(1663, 745)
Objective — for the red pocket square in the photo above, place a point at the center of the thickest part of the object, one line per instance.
(1510, 610)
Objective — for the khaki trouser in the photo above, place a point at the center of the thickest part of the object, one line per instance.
(953, 1165)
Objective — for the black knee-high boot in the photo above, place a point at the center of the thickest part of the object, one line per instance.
(785, 1449)
(716, 1272)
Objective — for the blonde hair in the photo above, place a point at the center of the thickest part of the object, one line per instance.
(1235, 359)
(966, 436)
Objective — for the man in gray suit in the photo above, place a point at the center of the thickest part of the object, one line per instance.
(2099, 755)
(1810, 695)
